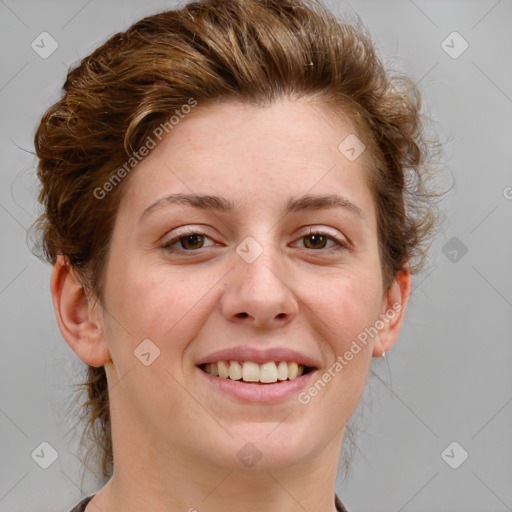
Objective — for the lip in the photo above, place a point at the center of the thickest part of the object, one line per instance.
(259, 393)
(259, 356)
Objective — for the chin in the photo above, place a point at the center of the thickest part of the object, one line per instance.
(263, 446)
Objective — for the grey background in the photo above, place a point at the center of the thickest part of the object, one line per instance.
(451, 378)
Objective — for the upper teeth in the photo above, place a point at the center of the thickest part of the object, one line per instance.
(254, 372)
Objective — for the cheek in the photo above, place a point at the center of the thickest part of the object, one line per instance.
(158, 303)
(350, 305)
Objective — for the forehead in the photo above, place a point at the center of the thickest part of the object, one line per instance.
(298, 130)
(253, 153)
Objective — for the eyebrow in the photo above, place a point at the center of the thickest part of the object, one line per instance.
(215, 203)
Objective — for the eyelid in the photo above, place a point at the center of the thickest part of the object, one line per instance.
(314, 230)
(183, 231)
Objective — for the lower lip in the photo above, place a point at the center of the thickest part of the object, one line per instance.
(259, 393)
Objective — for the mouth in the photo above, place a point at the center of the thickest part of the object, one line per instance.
(251, 375)
(259, 374)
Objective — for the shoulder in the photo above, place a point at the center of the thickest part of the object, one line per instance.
(80, 506)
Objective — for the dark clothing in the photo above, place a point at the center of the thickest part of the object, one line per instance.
(80, 507)
(339, 506)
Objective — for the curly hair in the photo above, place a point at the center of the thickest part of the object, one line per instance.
(253, 51)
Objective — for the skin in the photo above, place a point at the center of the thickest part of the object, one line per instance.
(176, 439)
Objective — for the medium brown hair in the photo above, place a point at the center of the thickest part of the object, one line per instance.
(255, 51)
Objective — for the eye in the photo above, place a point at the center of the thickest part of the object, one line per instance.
(189, 241)
(317, 240)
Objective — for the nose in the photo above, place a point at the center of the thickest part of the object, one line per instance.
(260, 293)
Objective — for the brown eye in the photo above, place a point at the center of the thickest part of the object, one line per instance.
(318, 241)
(190, 242)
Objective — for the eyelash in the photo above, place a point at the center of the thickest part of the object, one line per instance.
(341, 245)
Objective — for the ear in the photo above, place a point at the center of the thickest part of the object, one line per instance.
(393, 307)
(79, 322)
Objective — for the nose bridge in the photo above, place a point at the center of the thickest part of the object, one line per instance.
(260, 262)
(259, 286)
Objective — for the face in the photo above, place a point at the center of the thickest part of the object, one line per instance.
(198, 280)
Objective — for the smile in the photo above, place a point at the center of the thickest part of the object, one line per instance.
(249, 382)
(251, 372)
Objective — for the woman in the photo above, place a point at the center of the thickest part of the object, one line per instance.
(235, 199)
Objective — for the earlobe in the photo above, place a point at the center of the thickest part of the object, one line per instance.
(80, 323)
(392, 313)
